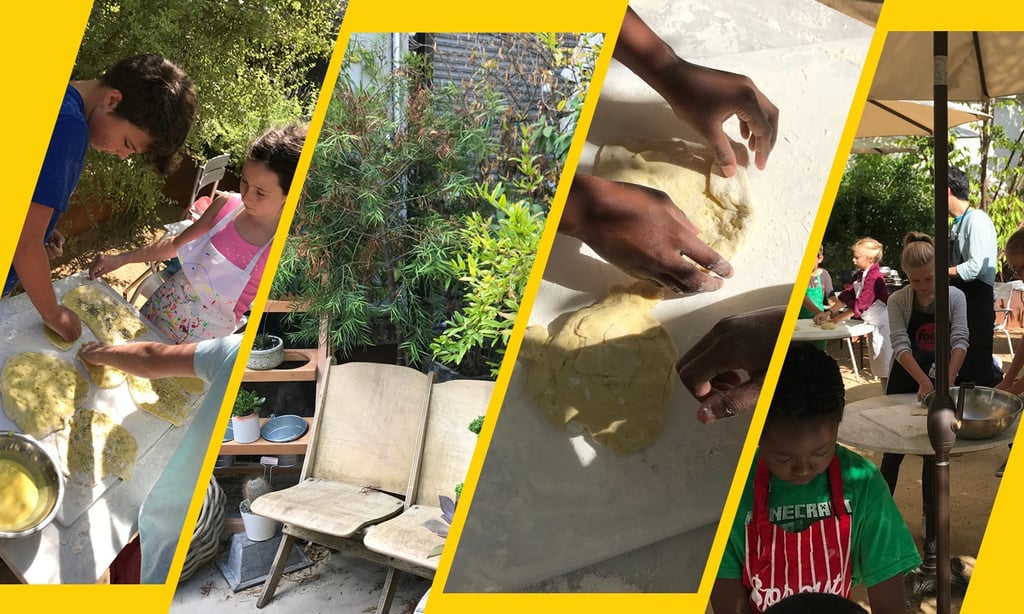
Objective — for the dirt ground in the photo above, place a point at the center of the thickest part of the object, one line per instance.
(109, 237)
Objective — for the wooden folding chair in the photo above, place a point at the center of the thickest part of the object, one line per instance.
(407, 541)
(366, 437)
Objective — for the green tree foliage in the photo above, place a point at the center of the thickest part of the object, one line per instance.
(493, 261)
(392, 173)
(424, 204)
(883, 197)
(254, 64)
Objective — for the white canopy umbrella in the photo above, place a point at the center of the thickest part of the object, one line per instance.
(981, 65)
(908, 118)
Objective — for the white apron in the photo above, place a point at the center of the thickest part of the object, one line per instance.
(877, 315)
(198, 302)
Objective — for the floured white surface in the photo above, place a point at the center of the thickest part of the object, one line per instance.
(92, 519)
(548, 503)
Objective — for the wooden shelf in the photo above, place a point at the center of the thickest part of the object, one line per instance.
(284, 306)
(263, 447)
(304, 373)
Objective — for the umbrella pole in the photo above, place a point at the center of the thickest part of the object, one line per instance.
(941, 415)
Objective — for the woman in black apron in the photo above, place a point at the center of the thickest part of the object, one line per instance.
(912, 324)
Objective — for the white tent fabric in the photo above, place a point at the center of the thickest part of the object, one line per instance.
(908, 118)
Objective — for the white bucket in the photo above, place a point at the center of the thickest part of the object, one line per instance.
(257, 528)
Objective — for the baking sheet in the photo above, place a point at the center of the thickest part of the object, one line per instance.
(548, 501)
(21, 330)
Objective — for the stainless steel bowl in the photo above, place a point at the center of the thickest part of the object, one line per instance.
(987, 411)
(281, 429)
(25, 454)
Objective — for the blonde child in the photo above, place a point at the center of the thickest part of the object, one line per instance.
(866, 300)
(912, 320)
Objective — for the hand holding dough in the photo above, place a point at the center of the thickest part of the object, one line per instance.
(720, 208)
(609, 367)
(641, 231)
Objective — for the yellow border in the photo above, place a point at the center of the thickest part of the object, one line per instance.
(36, 69)
(480, 16)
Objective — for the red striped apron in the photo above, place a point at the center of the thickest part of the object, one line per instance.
(780, 563)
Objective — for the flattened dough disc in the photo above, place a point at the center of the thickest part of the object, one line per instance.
(610, 367)
(94, 447)
(57, 341)
(104, 376)
(112, 322)
(163, 398)
(720, 208)
(40, 392)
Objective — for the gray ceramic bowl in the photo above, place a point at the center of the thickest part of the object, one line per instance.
(43, 470)
(987, 411)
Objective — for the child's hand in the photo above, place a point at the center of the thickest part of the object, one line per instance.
(92, 352)
(641, 231)
(924, 388)
(705, 98)
(65, 323)
(710, 370)
(822, 317)
(104, 264)
(55, 245)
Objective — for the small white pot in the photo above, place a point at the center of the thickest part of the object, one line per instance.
(245, 429)
(263, 360)
(257, 528)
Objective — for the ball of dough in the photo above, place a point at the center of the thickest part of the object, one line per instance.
(720, 207)
(610, 367)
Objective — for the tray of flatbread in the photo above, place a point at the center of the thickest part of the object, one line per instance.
(93, 423)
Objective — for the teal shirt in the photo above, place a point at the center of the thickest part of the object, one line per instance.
(881, 544)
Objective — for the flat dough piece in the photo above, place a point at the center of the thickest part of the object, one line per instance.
(720, 208)
(41, 392)
(104, 376)
(94, 447)
(163, 398)
(111, 321)
(57, 341)
(191, 385)
(610, 367)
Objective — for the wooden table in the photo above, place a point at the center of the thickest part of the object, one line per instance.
(806, 330)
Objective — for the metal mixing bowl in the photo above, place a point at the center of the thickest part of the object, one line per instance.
(42, 469)
(987, 411)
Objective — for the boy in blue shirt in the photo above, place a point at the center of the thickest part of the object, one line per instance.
(142, 105)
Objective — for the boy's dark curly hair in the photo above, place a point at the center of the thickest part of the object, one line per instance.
(159, 98)
(959, 184)
(279, 150)
(810, 387)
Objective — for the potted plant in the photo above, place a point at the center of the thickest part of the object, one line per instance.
(257, 528)
(267, 352)
(245, 423)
